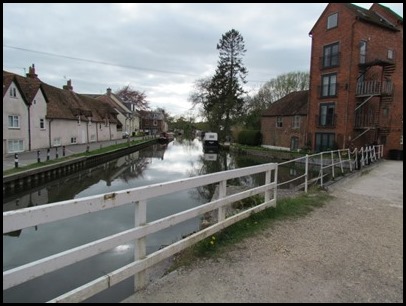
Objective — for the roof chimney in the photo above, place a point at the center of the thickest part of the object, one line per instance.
(31, 72)
(68, 86)
(108, 91)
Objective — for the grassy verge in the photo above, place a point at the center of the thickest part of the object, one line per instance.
(286, 208)
(54, 161)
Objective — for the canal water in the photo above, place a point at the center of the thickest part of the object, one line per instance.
(158, 163)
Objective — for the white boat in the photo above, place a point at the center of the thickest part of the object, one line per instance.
(210, 141)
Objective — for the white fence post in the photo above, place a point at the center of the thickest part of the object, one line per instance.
(321, 169)
(222, 194)
(306, 171)
(332, 164)
(140, 250)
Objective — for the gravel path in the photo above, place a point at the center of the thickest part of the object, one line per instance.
(349, 250)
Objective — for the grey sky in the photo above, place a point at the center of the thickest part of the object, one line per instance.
(159, 48)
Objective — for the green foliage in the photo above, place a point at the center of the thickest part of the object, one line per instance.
(286, 208)
(250, 137)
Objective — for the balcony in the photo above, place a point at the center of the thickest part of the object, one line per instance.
(374, 88)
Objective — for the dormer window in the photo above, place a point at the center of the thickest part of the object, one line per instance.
(332, 21)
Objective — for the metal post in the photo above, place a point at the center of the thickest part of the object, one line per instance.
(63, 151)
(56, 152)
(87, 148)
(16, 160)
(48, 153)
(306, 172)
(38, 156)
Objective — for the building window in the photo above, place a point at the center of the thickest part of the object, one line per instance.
(73, 140)
(294, 143)
(14, 122)
(329, 85)
(92, 138)
(390, 54)
(362, 51)
(155, 123)
(332, 21)
(42, 124)
(279, 122)
(35, 101)
(330, 56)
(296, 122)
(324, 141)
(13, 92)
(326, 117)
(15, 146)
(385, 112)
(57, 141)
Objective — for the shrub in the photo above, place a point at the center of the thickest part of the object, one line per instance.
(250, 137)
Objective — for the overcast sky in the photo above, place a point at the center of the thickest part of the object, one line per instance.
(159, 48)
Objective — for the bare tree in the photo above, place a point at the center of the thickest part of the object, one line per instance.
(133, 96)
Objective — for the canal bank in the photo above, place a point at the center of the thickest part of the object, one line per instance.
(47, 172)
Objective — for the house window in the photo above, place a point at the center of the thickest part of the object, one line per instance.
(330, 56)
(13, 92)
(92, 138)
(324, 141)
(329, 85)
(294, 143)
(73, 140)
(390, 54)
(14, 122)
(35, 101)
(385, 111)
(42, 124)
(15, 146)
(155, 123)
(296, 122)
(279, 122)
(57, 141)
(362, 51)
(332, 21)
(326, 117)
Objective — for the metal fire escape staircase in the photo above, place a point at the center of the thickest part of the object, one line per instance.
(365, 91)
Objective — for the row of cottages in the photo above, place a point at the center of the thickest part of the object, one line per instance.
(37, 115)
(356, 82)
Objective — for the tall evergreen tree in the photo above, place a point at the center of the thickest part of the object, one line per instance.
(225, 100)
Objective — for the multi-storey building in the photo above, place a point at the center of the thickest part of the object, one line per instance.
(356, 78)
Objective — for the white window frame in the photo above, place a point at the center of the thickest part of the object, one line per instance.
(296, 122)
(57, 141)
(13, 92)
(42, 124)
(14, 119)
(13, 143)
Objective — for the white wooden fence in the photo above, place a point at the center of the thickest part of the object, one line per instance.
(27, 217)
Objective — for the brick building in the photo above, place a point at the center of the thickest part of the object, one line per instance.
(356, 78)
(283, 123)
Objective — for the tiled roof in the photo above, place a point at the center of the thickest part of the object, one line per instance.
(371, 16)
(28, 87)
(61, 103)
(294, 103)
